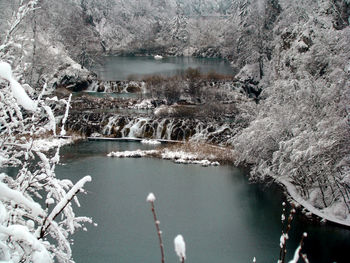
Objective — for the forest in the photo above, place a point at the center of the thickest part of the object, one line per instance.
(288, 96)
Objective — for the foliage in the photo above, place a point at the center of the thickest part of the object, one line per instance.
(301, 132)
(36, 212)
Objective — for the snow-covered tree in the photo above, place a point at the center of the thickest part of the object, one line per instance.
(36, 213)
(301, 133)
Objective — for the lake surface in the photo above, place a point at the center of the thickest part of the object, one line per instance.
(123, 68)
(222, 217)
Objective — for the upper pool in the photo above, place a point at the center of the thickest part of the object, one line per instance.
(123, 68)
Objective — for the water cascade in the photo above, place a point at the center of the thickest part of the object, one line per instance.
(117, 86)
(180, 129)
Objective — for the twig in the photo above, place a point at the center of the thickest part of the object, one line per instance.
(284, 236)
(151, 198)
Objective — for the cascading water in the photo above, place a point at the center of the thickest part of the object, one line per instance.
(117, 126)
(117, 86)
(167, 129)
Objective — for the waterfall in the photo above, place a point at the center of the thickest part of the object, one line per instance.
(152, 128)
(136, 128)
(117, 87)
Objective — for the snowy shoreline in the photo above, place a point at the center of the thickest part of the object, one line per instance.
(179, 157)
(190, 157)
(293, 193)
(46, 144)
(182, 157)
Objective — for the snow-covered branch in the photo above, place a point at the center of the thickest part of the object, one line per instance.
(78, 187)
(23, 221)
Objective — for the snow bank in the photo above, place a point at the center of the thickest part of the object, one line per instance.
(326, 214)
(151, 142)
(179, 157)
(182, 157)
(44, 145)
(204, 163)
(173, 155)
(131, 154)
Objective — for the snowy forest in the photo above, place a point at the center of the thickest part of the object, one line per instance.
(288, 99)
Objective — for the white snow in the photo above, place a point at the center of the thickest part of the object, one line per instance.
(5, 71)
(63, 131)
(44, 145)
(151, 198)
(52, 121)
(151, 142)
(134, 154)
(249, 71)
(283, 217)
(292, 191)
(7, 194)
(95, 135)
(3, 213)
(204, 163)
(296, 255)
(163, 109)
(173, 155)
(20, 234)
(50, 201)
(144, 104)
(283, 239)
(17, 90)
(21, 96)
(180, 247)
(3, 159)
(179, 157)
(182, 157)
(63, 202)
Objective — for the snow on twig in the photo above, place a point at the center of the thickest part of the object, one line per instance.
(63, 203)
(180, 247)
(151, 198)
(17, 90)
(21, 233)
(63, 131)
(7, 194)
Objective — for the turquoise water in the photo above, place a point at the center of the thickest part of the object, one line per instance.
(123, 68)
(222, 217)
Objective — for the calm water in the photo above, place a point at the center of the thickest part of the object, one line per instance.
(123, 68)
(222, 217)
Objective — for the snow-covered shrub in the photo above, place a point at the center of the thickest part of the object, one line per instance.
(36, 214)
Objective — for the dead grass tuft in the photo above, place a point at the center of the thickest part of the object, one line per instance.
(224, 155)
